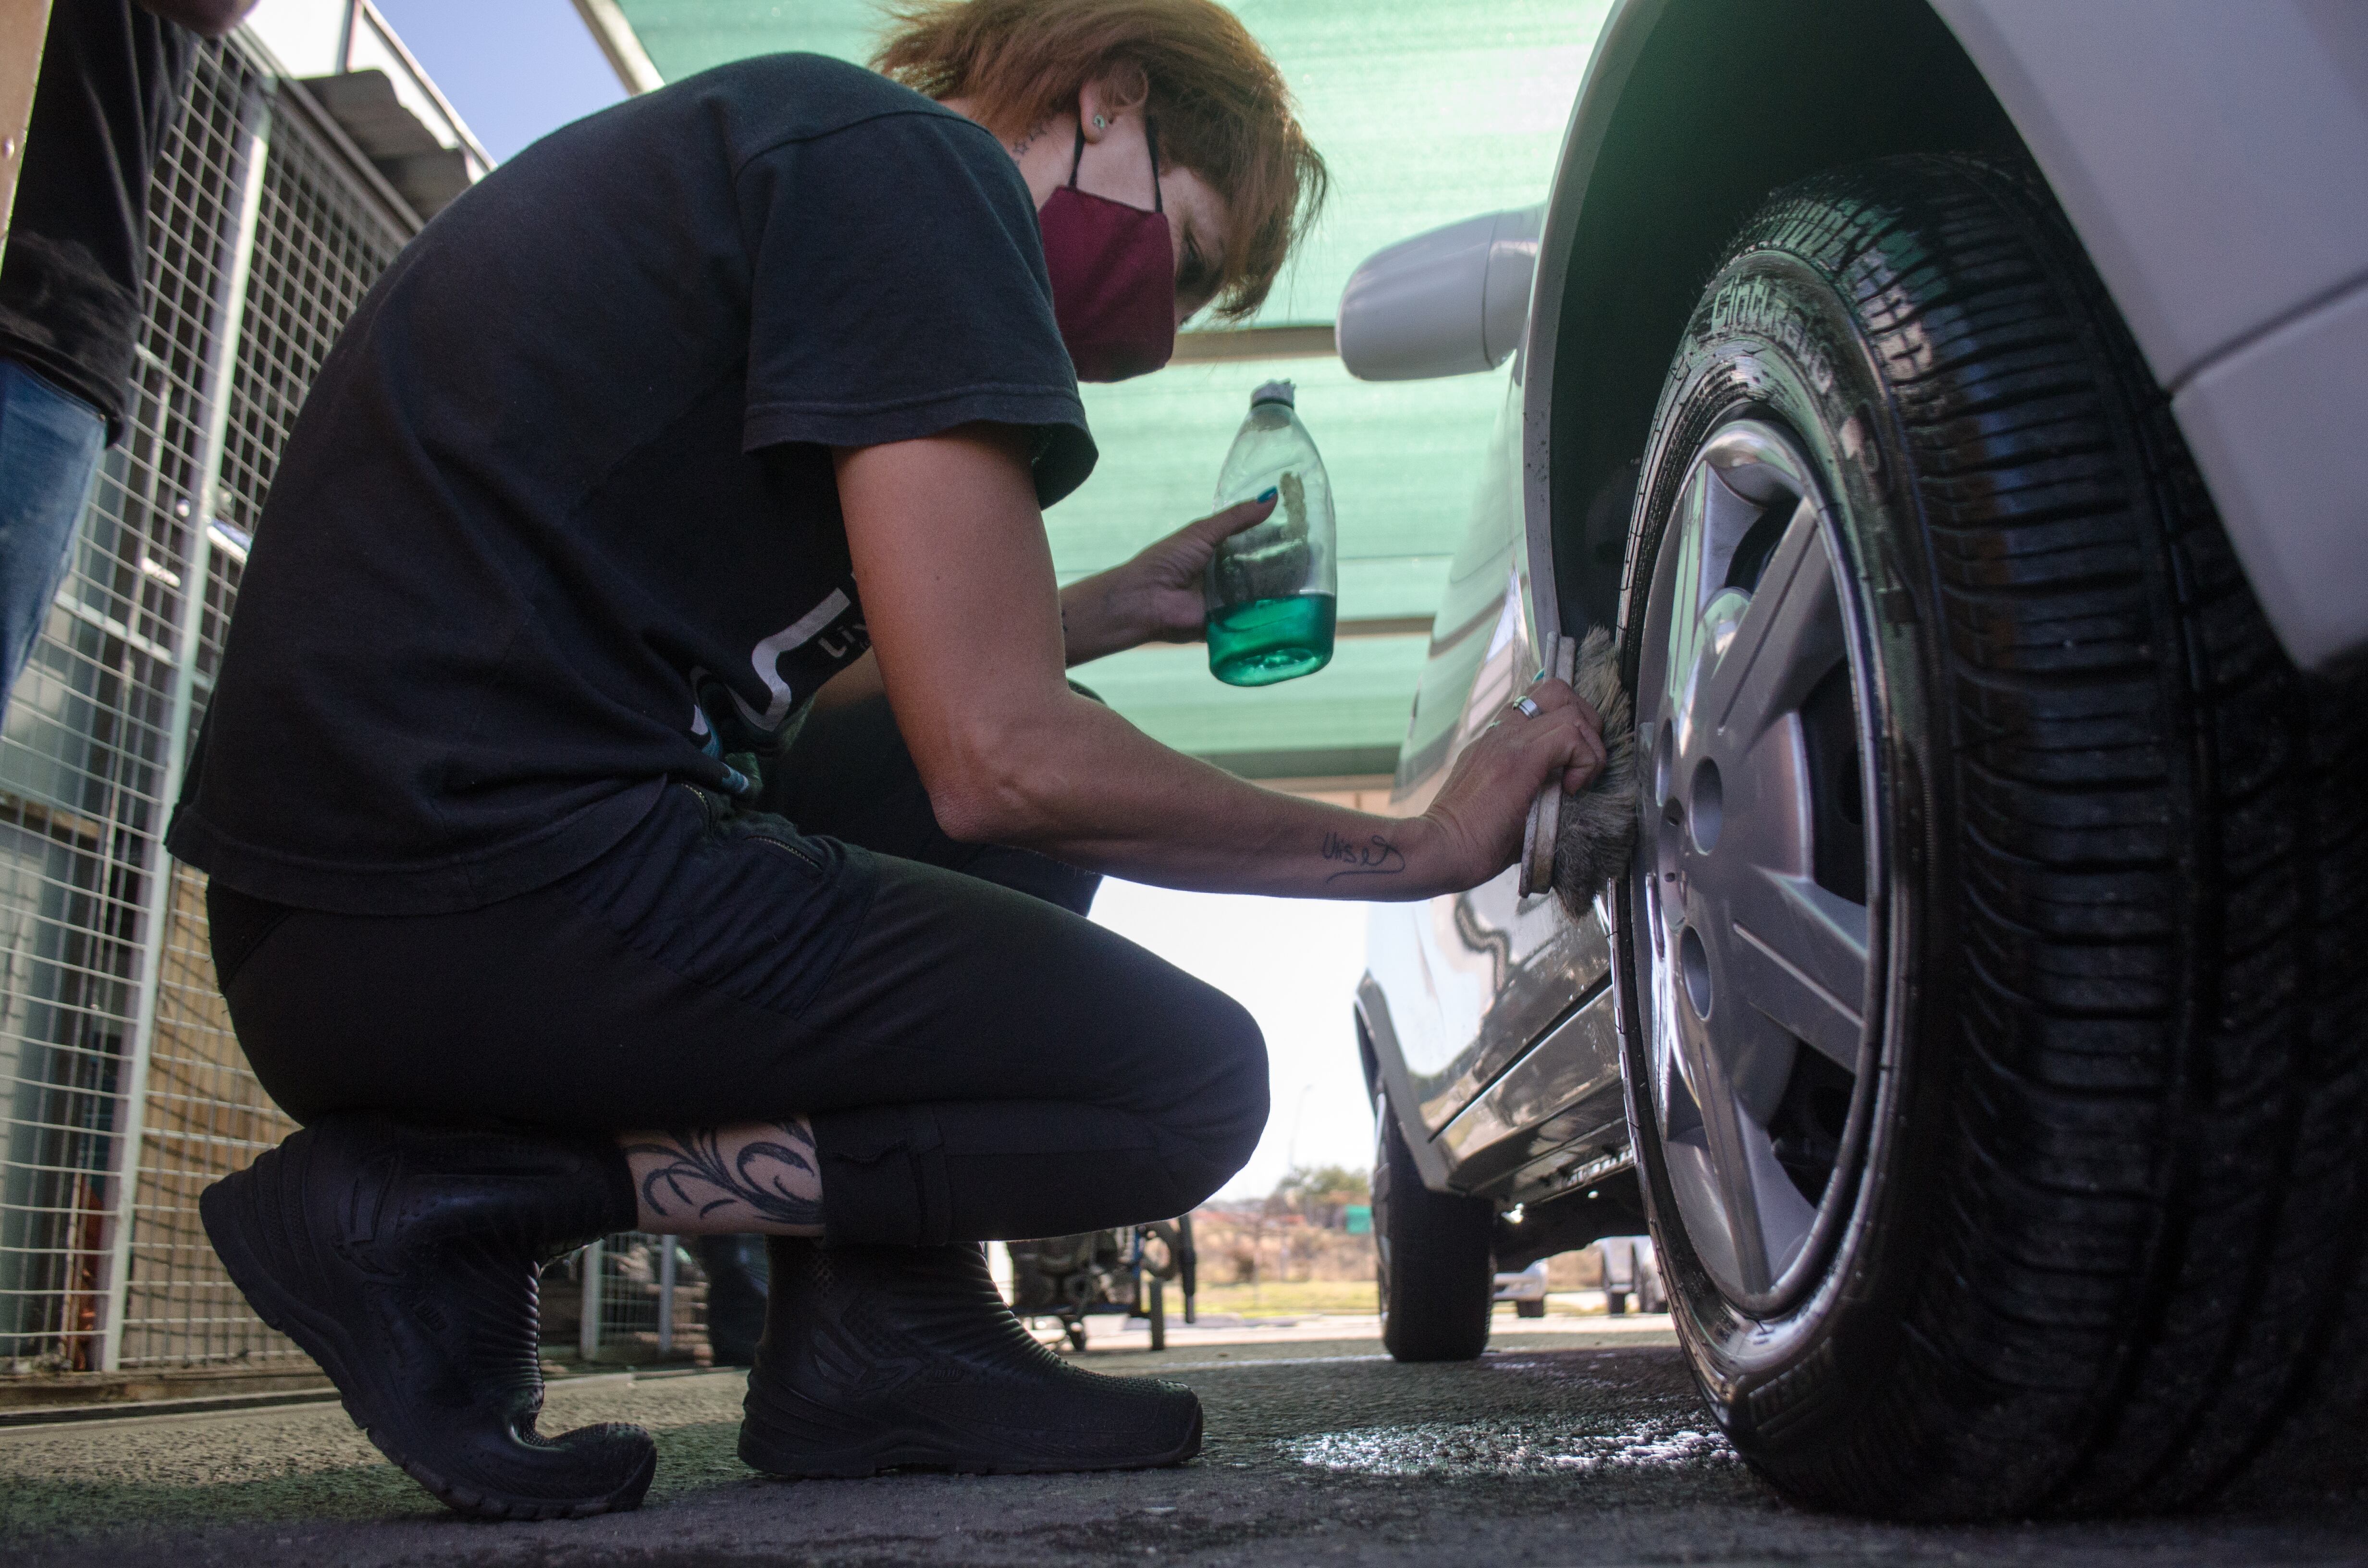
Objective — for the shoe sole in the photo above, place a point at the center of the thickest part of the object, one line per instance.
(900, 1453)
(324, 1340)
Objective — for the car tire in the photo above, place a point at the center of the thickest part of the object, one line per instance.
(2044, 1000)
(1435, 1262)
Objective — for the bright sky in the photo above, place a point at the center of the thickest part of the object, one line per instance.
(517, 69)
(1293, 964)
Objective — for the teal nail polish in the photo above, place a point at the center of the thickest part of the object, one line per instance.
(1268, 493)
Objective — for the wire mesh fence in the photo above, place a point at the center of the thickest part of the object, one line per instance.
(629, 1298)
(121, 1090)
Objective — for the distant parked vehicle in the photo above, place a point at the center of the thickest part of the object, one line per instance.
(1526, 1290)
(1123, 1272)
(1951, 413)
(1631, 1275)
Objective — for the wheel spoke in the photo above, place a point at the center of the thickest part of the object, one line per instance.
(1670, 1090)
(1726, 1134)
(1685, 592)
(1787, 640)
(1800, 957)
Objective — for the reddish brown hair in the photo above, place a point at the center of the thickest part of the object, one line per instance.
(1223, 109)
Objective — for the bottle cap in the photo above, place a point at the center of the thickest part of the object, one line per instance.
(1276, 391)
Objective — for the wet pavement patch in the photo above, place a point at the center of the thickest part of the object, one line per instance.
(1511, 1447)
(1511, 1413)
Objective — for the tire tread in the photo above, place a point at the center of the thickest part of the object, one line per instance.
(1435, 1267)
(2153, 1166)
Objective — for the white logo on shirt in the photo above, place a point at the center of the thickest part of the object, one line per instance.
(766, 655)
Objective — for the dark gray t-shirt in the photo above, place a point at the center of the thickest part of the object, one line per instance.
(560, 506)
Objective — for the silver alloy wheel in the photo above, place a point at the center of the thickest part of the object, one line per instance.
(1757, 852)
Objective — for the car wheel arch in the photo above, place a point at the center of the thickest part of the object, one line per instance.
(1621, 262)
(1386, 1079)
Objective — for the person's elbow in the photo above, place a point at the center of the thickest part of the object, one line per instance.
(992, 780)
(211, 18)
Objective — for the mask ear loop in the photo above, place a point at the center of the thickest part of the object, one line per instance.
(1150, 134)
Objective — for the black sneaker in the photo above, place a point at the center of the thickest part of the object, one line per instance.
(875, 1358)
(403, 1259)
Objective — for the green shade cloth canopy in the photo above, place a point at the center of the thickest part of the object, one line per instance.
(1427, 111)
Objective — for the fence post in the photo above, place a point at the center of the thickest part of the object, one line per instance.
(156, 912)
(666, 1294)
(588, 1327)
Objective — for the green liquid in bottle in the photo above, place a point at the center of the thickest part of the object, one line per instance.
(1266, 640)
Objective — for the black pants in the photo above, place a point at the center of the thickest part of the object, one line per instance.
(979, 1061)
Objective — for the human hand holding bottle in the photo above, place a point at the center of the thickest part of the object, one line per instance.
(1156, 597)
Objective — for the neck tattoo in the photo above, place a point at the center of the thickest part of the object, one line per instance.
(1035, 134)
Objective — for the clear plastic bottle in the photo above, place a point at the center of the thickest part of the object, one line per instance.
(1270, 590)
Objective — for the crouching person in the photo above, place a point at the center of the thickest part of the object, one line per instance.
(642, 790)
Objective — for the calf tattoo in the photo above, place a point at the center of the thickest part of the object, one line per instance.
(776, 1178)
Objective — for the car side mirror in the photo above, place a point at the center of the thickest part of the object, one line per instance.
(1443, 303)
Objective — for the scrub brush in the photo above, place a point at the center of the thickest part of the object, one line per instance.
(1577, 843)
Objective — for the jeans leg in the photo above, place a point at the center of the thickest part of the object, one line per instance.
(50, 443)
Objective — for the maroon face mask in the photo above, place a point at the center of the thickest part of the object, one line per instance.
(1113, 277)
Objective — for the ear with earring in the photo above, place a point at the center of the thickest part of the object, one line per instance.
(1101, 124)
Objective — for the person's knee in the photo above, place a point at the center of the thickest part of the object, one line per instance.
(1243, 1096)
(1219, 1121)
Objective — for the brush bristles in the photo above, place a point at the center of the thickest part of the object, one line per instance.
(1598, 824)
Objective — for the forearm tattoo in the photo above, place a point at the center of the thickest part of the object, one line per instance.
(1376, 856)
(776, 1177)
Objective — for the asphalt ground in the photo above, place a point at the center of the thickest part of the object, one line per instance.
(1558, 1447)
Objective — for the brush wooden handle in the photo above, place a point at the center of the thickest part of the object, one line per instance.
(1559, 658)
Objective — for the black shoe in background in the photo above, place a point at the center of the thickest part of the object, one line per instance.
(734, 1266)
(875, 1358)
(402, 1258)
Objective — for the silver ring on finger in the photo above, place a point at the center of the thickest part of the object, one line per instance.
(1527, 707)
